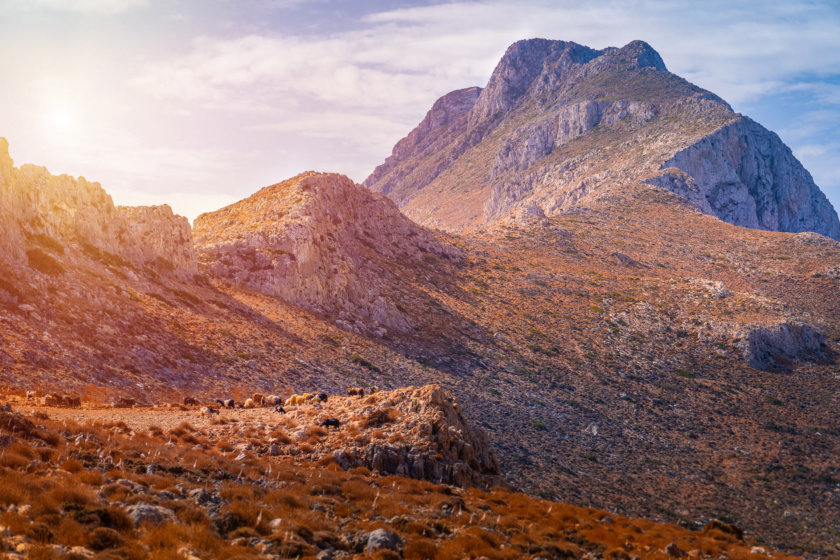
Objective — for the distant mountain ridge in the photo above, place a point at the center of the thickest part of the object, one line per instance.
(560, 125)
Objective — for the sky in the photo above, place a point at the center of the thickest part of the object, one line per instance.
(199, 103)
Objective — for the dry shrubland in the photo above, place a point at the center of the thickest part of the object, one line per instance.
(66, 484)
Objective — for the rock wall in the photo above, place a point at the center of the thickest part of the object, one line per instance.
(746, 176)
(162, 238)
(11, 239)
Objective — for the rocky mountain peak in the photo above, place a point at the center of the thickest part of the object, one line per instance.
(560, 124)
(638, 54)
(524, 63)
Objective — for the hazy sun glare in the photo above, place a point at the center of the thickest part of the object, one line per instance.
(60, 121)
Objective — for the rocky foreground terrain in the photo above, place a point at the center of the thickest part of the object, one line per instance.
(81, 484)
(621, 345)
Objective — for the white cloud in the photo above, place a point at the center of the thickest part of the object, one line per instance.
(405, 57)
(79, 6)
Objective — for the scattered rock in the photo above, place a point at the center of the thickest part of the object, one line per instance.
(142, 512)
(383, 538)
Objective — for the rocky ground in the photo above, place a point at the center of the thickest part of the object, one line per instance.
(608, 363)
(416, 432)
(619, 346)
(74, 486)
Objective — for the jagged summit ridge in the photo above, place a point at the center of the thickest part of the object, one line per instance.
(38, 208)
(560, 126)
(534, 67)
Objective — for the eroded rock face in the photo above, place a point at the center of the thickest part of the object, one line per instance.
(36, 206)
(746, 176)
(779, 346)
(162, 238)
(322, 242)
(441, 446)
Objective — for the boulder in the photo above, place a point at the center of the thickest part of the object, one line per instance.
(383, 539)
(142, 512)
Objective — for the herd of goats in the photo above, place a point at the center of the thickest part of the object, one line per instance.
(258, 400)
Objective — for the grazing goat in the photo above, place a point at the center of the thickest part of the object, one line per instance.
(356, 391)
(207, 411)
(297, 399)
(273, 400)
(190, 401)
(227, 403)
(322, 397)
(124, 402)
(279, 408)
(72, 402)
(330, 423)
(249, 403)
(259, 399)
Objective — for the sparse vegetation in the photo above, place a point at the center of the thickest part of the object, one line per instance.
(357, 359)
(42, 262)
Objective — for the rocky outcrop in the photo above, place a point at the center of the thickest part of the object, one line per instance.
(534, 141)
(11, 238)
(162, 238)
(559, 125)
(38, 208)
(322, 242)
(780, 346)
(440, 447)
(745, 175)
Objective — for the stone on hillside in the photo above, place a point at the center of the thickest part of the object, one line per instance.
(383, 539)
(142, 512)
(773, 347)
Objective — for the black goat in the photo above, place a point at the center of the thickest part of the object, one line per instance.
(330, 423)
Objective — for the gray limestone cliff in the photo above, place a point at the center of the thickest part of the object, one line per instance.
(745, 175)
(559, 124)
